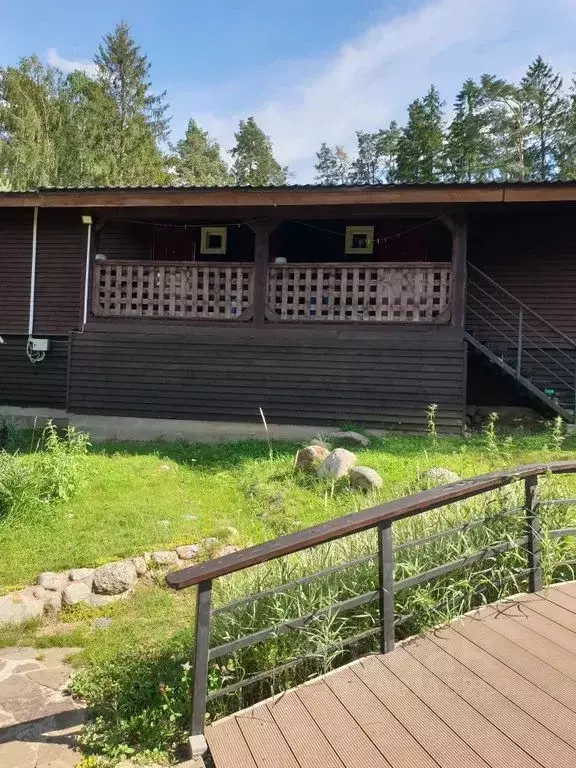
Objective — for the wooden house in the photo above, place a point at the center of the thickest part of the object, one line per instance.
(320, 305)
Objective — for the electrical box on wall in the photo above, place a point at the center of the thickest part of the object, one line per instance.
(40, 345)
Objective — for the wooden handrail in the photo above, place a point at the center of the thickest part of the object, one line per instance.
(356, 522)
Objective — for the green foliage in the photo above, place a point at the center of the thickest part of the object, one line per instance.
(254, 164)
(27, 489)
(196, 159)
(421, 143)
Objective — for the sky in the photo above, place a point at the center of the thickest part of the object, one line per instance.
(308, 70)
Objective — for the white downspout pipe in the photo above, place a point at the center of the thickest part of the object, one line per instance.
(87, 274)
(33, 274)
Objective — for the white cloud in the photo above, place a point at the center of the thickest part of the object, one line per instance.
(371, 79)
(70, 65)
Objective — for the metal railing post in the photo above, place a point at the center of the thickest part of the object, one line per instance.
(532, 508)
(386, 586)
(201, 652)
(519, 349)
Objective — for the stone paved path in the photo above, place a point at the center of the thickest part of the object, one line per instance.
(38, 721)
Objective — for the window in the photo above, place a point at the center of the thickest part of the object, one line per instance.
(359, 240)
(213, 240)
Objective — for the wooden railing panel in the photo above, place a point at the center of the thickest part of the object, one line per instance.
(359, 292)
(172, 290)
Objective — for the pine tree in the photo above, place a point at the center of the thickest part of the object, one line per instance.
(133, 116)
(29, 121)
(366, 168)
(388, 149)
(343, 165)
(420, 146)
(254, 163)
(326, 166)
(508, 126)
(545, 110)
(196, 159)
(470, 148)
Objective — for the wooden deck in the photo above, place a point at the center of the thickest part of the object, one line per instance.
(496, 688)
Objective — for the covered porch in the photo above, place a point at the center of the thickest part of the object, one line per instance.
(369, 270)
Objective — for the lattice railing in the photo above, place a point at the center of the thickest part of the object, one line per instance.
(396, 292)
(172, 289)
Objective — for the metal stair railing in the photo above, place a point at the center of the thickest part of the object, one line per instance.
(532, 341)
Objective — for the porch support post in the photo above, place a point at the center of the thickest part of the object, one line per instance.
(458, 226)
(262, 231)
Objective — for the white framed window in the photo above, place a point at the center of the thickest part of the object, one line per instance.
(359, 240)
(213, 240)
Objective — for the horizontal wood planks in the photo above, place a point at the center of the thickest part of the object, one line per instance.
(492, 689)
(23, 383)
(15, 261)
(294, 376)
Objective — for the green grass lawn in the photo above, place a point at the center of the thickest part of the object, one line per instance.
(135, 498)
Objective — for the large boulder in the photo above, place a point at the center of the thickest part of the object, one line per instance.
(140, 564)
(76, 592)
(188, 551)
(337, 464)
(55, 582)
(20, 606)
(350, 439)
(308, 458)
(114, 578)
(365, 478)
(440, 476)
(82, 574)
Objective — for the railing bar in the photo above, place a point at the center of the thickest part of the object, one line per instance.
(538, 362)
(281, 629)
(296, 583)
(442, 570)
(560, 532)
(524, 306)
(552, 502)
(472, 284)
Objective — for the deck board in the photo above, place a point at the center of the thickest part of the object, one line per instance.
(492, 689)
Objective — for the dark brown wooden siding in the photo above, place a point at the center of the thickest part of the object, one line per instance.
(311, 376)
(531, 253)
(24, 383)
(15, 259)
(61, 254)
(123, 240)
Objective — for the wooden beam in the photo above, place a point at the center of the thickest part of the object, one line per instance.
(458, 225)
(262, 231)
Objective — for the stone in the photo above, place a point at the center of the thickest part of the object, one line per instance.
(20, 606)
(52, 603)
(209, 542)
(55, 582)
(440, 476)
(164, 557)
(140, 564)
(82, 574)
(308, 458)
(337, 464)
(365, 478)
(54, 677)
(97, 601)
(102, 623)
(114, 578)
(227, 550)
(76, 592)
(188, 551)
(352, 439)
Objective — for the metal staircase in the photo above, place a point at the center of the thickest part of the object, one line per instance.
(521, 343)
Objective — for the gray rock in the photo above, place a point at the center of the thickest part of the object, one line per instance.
(365, 478)
(20, 606)
(114, 578)
(209, 542)
(440, 476)
(102, 623)
(82, 574)
(188, 551)
(308, 458)
(76, 592)
(337, 464)
(164, 557)
(140, 564)
(52, 603)
(351, 439)
(223, 551)
(55, 582)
